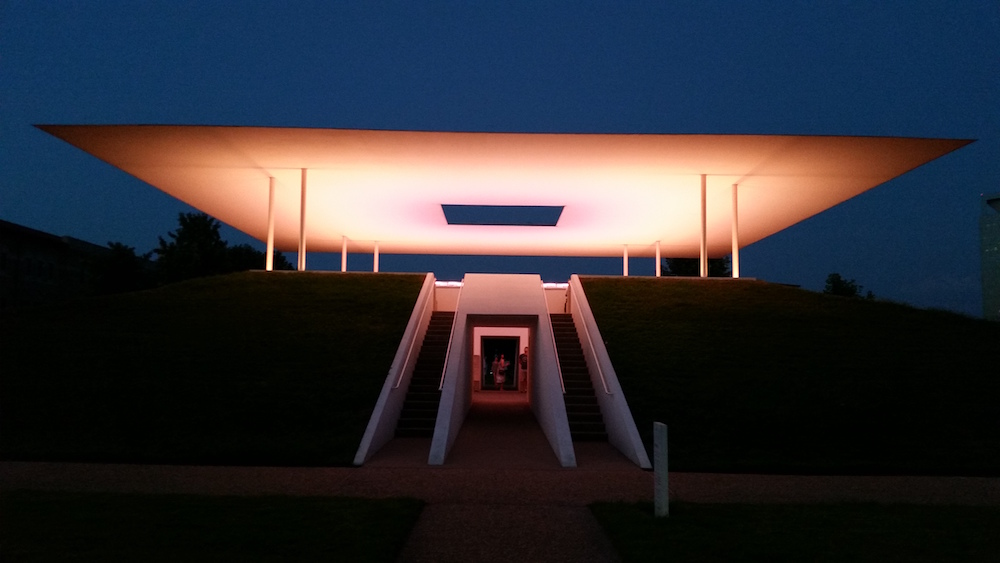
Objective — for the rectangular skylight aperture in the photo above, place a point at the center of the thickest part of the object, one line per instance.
(503, 215)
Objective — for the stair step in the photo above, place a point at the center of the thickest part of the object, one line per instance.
(415, 423)
(423, 398)
(589, 436)
(414, 432)
(584, 413)
(587, 427)
(407, 417)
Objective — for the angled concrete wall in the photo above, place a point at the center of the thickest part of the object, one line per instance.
(512, 300)
(385, 416)
(446, 296)
(622, 432)
(546, 393)
(555, 298)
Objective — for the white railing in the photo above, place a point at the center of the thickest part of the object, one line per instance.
(428, 301)
(451, 336)
(552, 333)
(600, 372)
(575, 303)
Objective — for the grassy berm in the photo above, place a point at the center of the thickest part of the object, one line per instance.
(757, 377)
(62, 526)
(818, 533)
(251, 368)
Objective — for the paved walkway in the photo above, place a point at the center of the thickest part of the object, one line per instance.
(502, 495)
(442, 485)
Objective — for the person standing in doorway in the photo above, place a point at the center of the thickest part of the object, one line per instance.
(501, 376)
(522, 364)
(495, 370)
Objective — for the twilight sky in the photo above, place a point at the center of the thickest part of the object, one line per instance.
(910, 68)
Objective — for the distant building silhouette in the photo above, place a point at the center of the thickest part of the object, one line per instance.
(38, 267)
(989, 242)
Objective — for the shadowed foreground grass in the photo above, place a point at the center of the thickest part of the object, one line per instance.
(44, 526)
(758, 377)
(250, 369)
(819, 532)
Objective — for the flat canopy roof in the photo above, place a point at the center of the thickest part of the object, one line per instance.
(392, 187)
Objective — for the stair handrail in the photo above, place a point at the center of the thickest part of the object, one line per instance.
(590, 342)
(555, 347)
(409, 349)
(451, 336)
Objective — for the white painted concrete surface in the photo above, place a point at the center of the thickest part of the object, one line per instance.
(446, 298)
(622, 432)
(511, 300)
(555, 299)
(382, 424)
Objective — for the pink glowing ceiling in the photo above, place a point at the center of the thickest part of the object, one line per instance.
(388, 186)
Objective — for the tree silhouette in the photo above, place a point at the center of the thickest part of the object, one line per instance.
(837, 285)
(244, 257)
(122, 270)
(691, 267)
(195, 250)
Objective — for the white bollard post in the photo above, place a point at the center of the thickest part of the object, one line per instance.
(661, 495)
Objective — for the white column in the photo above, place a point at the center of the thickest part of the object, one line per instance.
(625, 260)
(302, 225)
(657, 258)
(343, 254)
(375, 259)
(704, 228)
(269, 261)
(736, 235)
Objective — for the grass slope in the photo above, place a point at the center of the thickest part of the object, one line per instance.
(823, 532)
(250, 368)
(756, 377)
(57, 526)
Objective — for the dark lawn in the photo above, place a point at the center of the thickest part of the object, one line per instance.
(57, 526)
(251, 369)
(820, 532)
(757, 377)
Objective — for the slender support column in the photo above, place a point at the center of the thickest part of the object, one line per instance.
(736, 234)
(657, 258)
(704, 228)
(302, 225)
(343, 254)
(269, 261)
(375, 259)
(625, 260)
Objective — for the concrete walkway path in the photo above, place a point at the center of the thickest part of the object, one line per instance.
(577, 487)
(501, 495)
(516, 502)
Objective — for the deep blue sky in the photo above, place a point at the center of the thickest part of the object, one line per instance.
(909, 68)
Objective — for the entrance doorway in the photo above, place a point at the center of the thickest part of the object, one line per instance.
(497, 347)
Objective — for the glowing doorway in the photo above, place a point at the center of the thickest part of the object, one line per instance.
(499, 356)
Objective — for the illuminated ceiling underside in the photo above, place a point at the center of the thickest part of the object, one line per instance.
(389, 186)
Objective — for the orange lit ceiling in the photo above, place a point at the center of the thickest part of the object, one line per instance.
(388, 186)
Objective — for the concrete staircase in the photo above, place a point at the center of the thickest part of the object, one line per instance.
(585, 420)
(423, 396)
